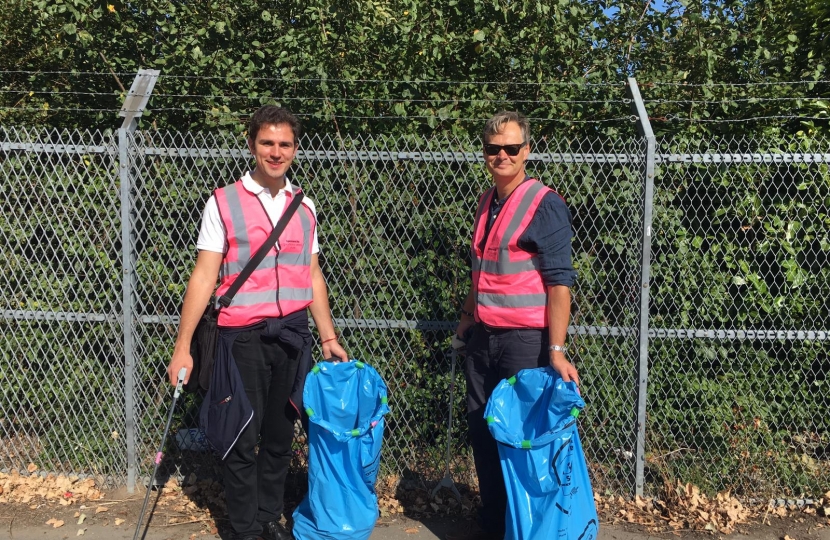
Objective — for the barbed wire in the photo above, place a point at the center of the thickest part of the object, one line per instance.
(393, 100)
(736, 100)
(213, 112)
(315, 98)
(394, 81)
(320, 79)
(102, 73)
(114, 93)
(678, 118)
(699, 85)
(64, 109)
(421, 81)
(631, 118)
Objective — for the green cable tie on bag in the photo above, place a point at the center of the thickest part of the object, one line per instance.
(309, 411)
(574, 412)
(512, 380)
(360, 365)
(315, 370)
(355, 433)
(490, 419)
(384, 400)
(526, 445)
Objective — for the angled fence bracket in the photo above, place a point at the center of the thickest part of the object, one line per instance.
(137, 98)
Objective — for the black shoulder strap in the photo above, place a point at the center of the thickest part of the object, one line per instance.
(225, 299)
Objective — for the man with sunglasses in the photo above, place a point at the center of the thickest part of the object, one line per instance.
(517, 312)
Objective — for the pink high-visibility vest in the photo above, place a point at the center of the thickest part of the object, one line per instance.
(281, 284)
(508, 286)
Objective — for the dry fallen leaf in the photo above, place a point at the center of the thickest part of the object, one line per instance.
(57, 523)
(81, 519)
(411, 530)
(31, 468)
(118, 521)
(101, 509)
(788, 537)
(81, 532)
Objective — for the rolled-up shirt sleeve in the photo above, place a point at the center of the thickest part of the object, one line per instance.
(549, 235)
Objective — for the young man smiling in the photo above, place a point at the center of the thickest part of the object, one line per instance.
(517, 311)
(263, 333)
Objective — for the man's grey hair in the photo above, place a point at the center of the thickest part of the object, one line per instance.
(495, 125)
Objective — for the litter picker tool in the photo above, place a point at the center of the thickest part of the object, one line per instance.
(447, 481)
(160, 453)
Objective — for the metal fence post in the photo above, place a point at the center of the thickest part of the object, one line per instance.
(134, 103)
(127, 305)
(644, 128)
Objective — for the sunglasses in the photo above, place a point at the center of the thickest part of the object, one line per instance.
(509, 149)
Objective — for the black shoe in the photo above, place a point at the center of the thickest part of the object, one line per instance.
(274, 530)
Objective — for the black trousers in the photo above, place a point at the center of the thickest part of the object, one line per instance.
(255, 481)
(493, 355)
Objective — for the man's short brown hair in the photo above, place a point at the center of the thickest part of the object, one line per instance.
(271, 114)
(496, 124)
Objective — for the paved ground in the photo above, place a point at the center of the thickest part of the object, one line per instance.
(19, 526)
(118, 522)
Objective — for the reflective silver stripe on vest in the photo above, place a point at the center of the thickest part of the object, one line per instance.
(504, 266)
(232, 268)
(240, 228)
(303, 258)
(270, 297)
(519, 214)
(482, 205)
(511, 300)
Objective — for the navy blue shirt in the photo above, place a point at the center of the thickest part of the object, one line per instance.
(548, 235)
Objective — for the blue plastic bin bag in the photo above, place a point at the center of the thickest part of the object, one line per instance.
(549, 495)
(345, 404)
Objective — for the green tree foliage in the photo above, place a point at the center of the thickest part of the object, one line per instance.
(353, 66)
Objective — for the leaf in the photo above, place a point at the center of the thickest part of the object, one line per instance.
(101, 509)
(411, 530)
(81, 519)
(31, 468)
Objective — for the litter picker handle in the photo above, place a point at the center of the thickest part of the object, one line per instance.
(180, 383)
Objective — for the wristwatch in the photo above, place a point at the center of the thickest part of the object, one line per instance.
(558, 348)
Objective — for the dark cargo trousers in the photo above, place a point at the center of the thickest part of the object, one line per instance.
(492, 355)
(255, 481)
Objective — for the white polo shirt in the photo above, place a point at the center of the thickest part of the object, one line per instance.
(212, 235)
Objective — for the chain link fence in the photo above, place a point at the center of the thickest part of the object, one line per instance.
(722, 378)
